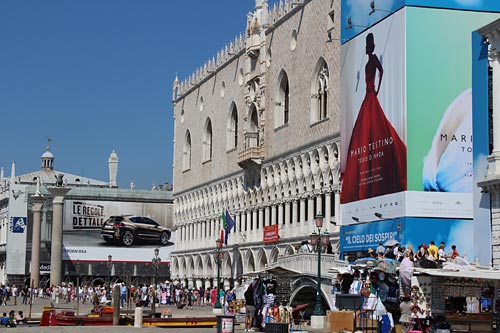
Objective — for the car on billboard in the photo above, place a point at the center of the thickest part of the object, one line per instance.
(130, 229)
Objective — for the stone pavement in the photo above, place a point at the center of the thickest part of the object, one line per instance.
(39, 303)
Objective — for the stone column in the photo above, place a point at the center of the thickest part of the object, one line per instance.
(37, 202)
(250, 226)
(266, 216)
(280, 214)
(255, 219)
(57, 234)
(273, 215)
(295, 217)
(328, 208)
(337, 208)
(303, 225)
(310, 214)
(243, 222)
(288, 218)
(319, 205)
(302, 217)
(260, 221)
(238, 222)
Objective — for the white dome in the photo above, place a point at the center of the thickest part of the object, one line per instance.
(48, 154)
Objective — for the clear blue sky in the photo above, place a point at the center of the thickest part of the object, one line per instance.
(96, 75)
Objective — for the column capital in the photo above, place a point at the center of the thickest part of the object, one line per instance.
(59, 193)
(37, 201)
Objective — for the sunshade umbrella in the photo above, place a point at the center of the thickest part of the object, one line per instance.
(389, 266)
(391, 242)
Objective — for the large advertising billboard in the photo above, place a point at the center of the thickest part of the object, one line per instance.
(418, 101)
(439, 111)
(373, 94)
(358, 15)
(409, 232)
(145, 222)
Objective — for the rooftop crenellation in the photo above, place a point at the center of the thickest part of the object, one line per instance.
(255, 23)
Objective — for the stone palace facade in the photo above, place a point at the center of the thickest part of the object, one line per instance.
(257, 132)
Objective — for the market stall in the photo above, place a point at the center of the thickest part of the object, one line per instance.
(466, 298)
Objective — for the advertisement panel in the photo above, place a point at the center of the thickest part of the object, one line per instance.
(17, 232)
(373, 108)
(358, 15)
(439, 115)
(133, 239)
(409, 232)
(481, 148)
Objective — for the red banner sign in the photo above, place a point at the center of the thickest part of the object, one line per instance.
(271, 233)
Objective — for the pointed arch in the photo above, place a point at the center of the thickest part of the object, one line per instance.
(186, 160)
(232, 128)
(250, 261)
(262, 261)
(289, 250)
(227, 265)
(282, 104)
(319, 91)
(273, 257)
(207, 140)
(238, 265)
(252, 127)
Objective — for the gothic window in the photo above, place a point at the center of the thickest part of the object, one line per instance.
(207, 141)
(253, 135)
(186, 161)
(319, 92)
(282, 104)
(232, 128)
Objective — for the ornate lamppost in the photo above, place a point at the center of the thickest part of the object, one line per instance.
(77, 269)
(110, 266)
(318, 240)
(156, 266)
(218, 256)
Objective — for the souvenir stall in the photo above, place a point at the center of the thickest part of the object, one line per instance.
(380, 276)
(466, 298)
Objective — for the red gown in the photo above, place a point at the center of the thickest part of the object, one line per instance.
(376, 159)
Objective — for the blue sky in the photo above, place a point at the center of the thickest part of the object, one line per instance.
(96, 75)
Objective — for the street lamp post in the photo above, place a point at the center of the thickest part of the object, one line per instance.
(156, 265)
(318, 240)
(110, 266)
(77, 269)
(218, 256)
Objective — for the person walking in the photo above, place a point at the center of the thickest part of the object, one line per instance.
(249, 307)
(25, 294)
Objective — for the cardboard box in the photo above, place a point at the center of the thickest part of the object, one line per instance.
(341, 321)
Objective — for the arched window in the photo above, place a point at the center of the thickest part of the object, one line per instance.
(207, 141)
(319, 92)
(232, 128)
(186, 161)
(282, 105)
(252, 134)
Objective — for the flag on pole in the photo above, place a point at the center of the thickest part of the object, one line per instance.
(222, 238)
(228, 224)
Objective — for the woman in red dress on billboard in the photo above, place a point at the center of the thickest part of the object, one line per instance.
(376, 158)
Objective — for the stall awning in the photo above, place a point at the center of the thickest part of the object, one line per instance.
(472, 274)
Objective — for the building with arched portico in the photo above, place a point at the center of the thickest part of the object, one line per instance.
(257, 134)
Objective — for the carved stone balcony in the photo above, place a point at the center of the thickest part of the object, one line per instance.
(249, 155)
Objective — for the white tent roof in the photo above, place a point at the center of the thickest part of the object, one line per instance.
(472, 273)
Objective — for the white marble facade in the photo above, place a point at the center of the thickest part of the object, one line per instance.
(257, 133)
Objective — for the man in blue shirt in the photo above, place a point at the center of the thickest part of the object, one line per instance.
(123, 295)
